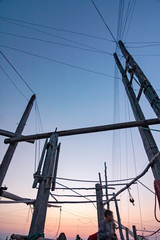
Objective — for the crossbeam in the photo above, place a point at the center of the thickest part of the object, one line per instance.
(109, 127)
(6, 133)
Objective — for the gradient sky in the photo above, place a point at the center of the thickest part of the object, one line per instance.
(69, 97)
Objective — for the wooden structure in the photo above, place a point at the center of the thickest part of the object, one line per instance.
(50, 153)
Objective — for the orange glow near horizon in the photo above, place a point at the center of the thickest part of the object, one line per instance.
(75, 220)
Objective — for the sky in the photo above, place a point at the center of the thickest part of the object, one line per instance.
(68, 63)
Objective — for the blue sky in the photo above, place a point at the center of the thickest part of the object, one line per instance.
(69, 97)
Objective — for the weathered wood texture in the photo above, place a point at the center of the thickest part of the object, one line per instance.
(109, 127)
(118, 218)
(12, 147)
(149, 143)
(40, 209)
(148, 89)
(99, 200)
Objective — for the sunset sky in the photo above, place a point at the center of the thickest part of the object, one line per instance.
(68, 63)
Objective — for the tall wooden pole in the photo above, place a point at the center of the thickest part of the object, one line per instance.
(118, 219)
(40, 209)
(106, 182)
(12, 147)
(148, 89)
(127, 234)
(146, 135)
(99, 199)
(134, 232)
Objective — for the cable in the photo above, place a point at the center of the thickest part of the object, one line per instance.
(104, 22)
(58, 29)
(131, 15)
(59, 62)
(126, 19)
(142, 42)
(16, 72)
(76, 193)
(151, 129)
(144, 46)
(146, 187)
(59, 224)
(92, 181)
(146, 55)
(13, 82)
(152, 233)
(56, 43)
(140, 211)
(39, 115)
(50, 34)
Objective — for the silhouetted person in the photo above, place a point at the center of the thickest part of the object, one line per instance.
(62, 236)
(105, 230)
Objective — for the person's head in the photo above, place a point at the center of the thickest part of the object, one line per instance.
(108, 215)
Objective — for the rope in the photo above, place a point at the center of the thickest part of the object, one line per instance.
(59, 62)
(35, 236)
(16, 72)
(76, 193)
(57, 29)
(59, 224)
(104, 21)
(157, 195)
(13, 83)
(91, 181)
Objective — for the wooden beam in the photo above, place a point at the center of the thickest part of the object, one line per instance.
(151, 163)
(89, 188)
(11, 134)
(118, 218)
(12, 196)
(56, 167)
(116, 126)
(12, 147)
(40, 208)
(149, 143)
(134, 232)
(106, 183)
(100, 206)
(49, 202)
(148, 89)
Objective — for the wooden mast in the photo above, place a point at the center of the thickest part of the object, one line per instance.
(146, 86)
(12, 147)
(40, 209)
(146, 135)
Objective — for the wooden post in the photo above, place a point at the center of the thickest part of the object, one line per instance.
(39, 214)
(146, 135)
(105, 172)
(56, 167)
(12, 147)
(99, 198)
(127, 234)
(134, 232)
(100, 179)
(118, 219)
(37, 173)
(149, 91)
